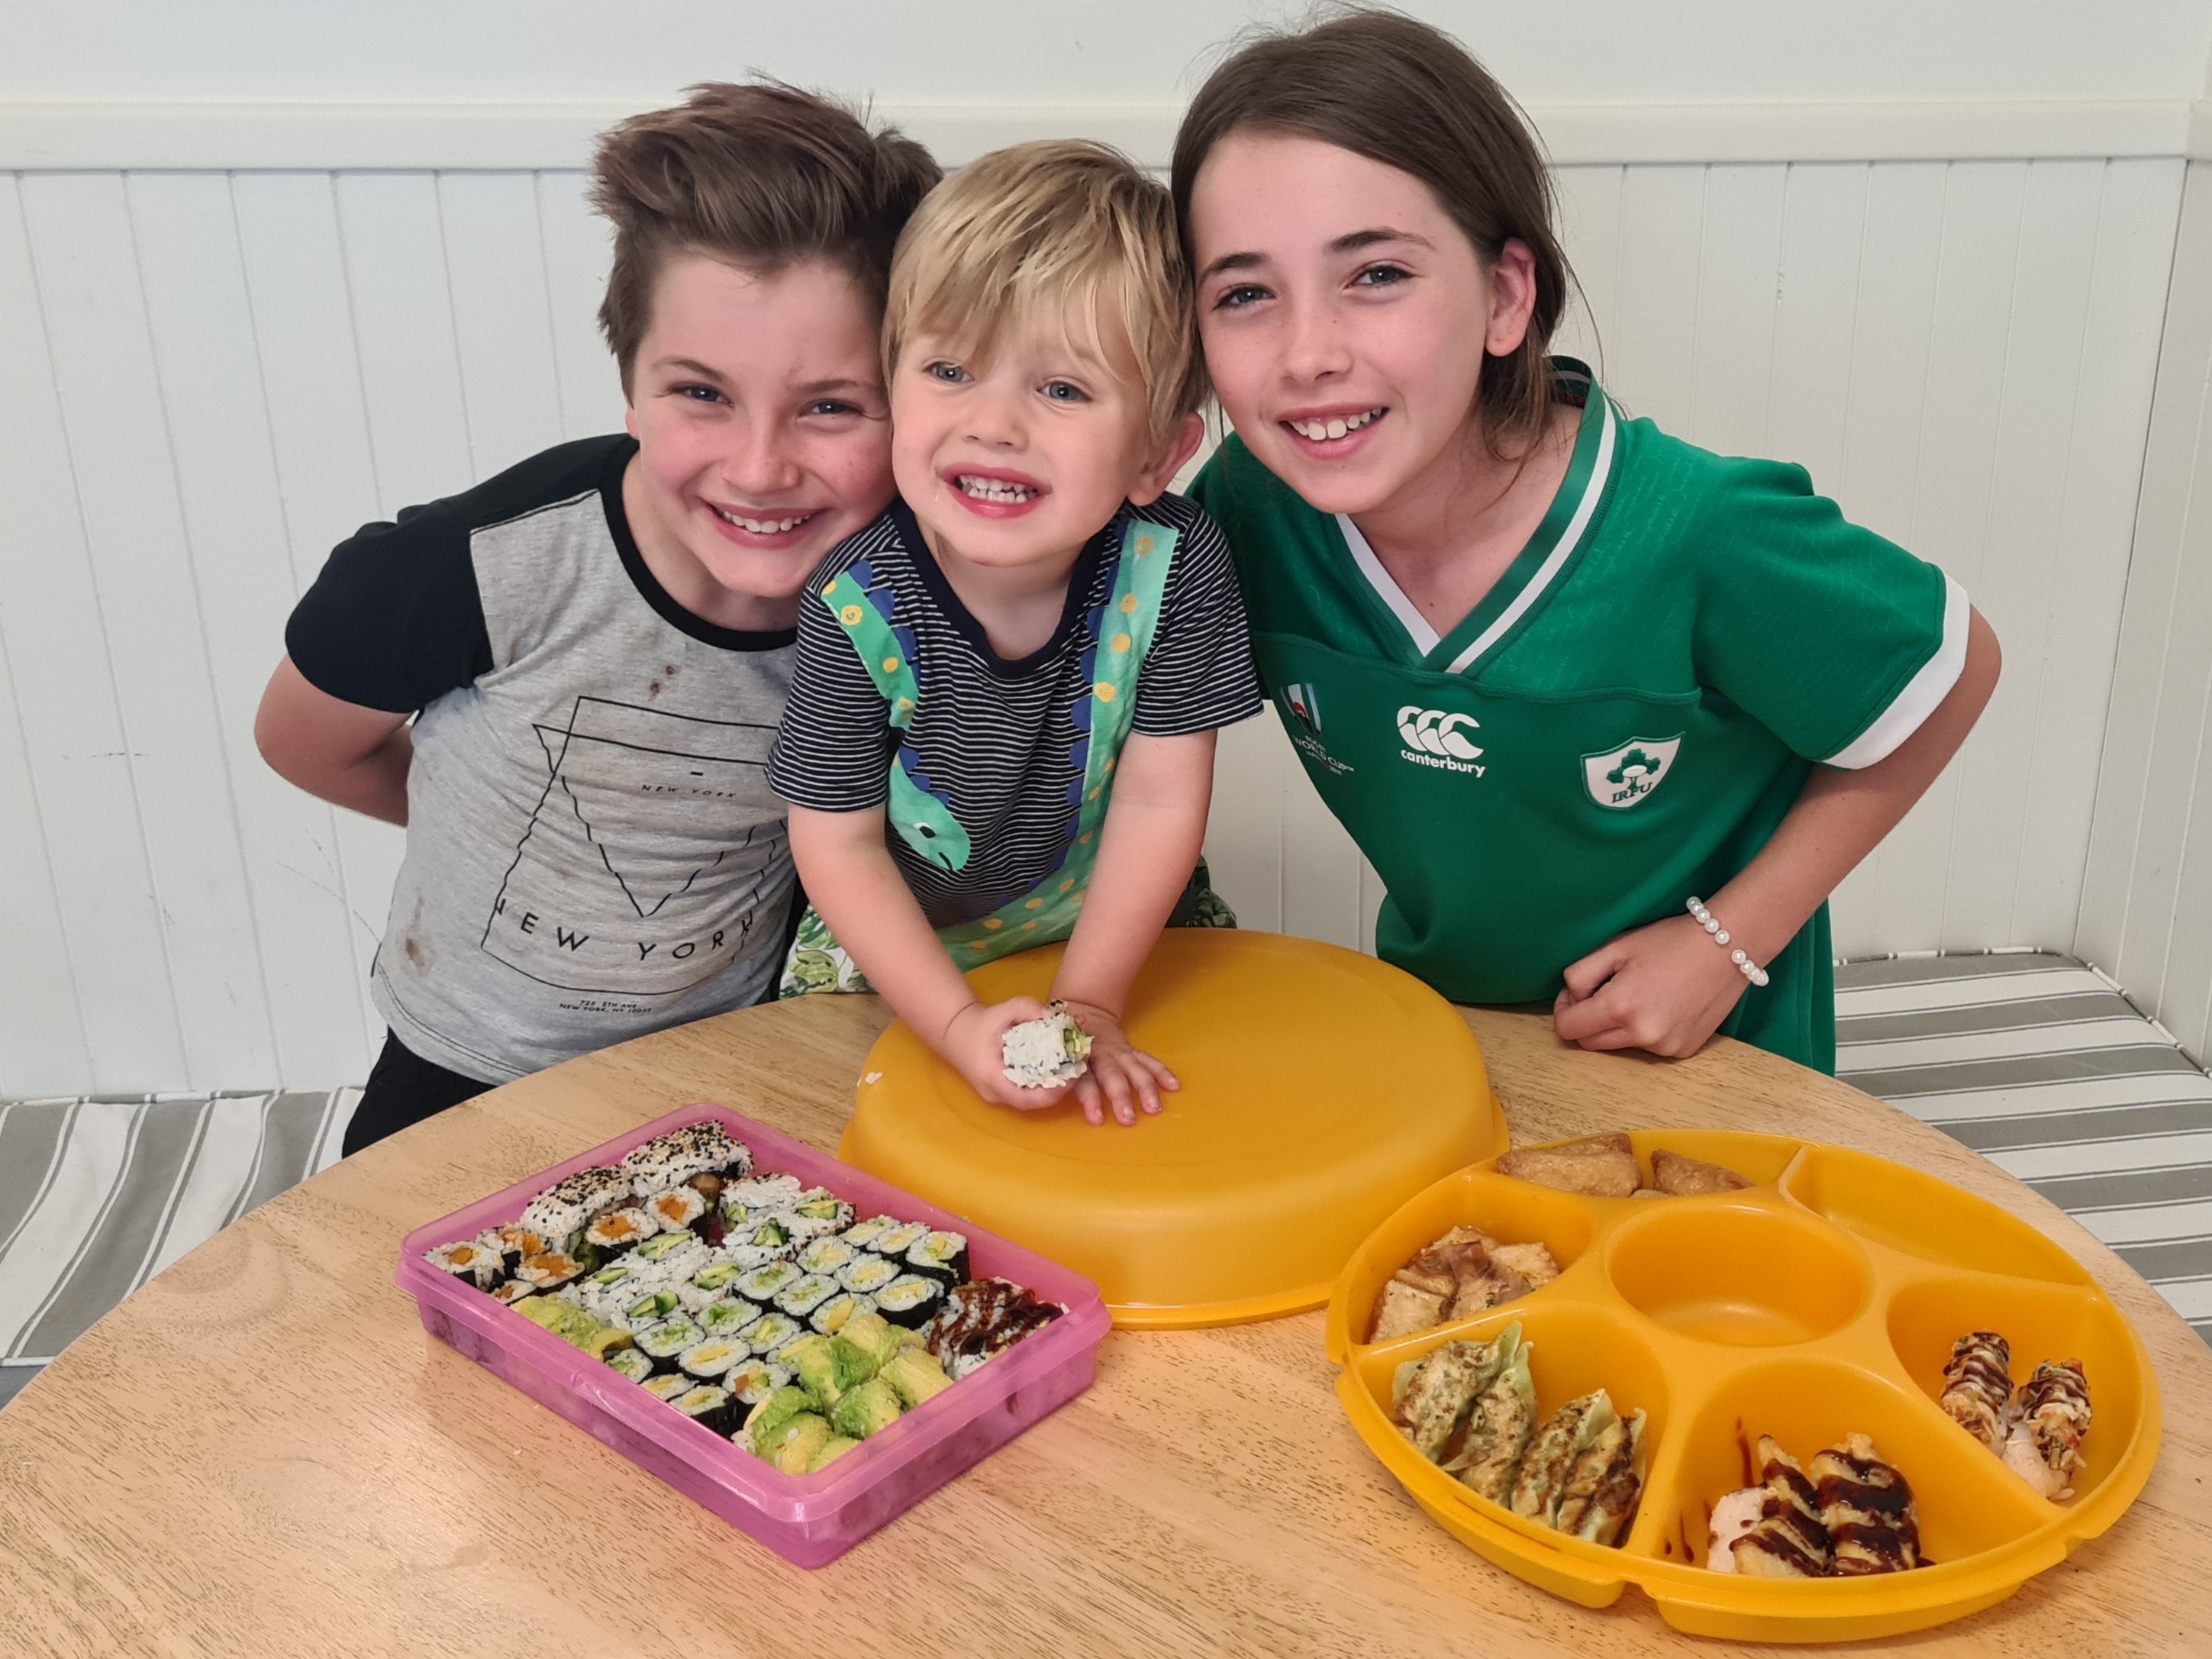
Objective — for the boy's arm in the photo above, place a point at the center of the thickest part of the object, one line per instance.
(1155, 827)
(339, 751)
(1667, 987)
(856, 888)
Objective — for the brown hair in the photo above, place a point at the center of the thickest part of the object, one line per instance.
(1400, 92)
(760, 175)
(1059, 223)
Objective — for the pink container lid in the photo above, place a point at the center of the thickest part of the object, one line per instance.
(810, 1519)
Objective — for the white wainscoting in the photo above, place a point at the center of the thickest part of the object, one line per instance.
(2147, 903)
(207, 377)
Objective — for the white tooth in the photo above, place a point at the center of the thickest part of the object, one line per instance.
(1336, 428)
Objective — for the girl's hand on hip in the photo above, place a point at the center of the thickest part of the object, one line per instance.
(975, 1042)
(1664, 988)
(1122, 1079)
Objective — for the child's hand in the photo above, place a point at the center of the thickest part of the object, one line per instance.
(1665, 988)
(974, 1040)
(1121, 1078)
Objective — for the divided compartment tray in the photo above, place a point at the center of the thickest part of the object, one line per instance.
(1821, 1300)
(810, 1520)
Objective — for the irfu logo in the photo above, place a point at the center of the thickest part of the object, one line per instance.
(1618, 778)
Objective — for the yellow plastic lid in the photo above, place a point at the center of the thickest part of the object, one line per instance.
(1822, 1301)
(1320, 1089)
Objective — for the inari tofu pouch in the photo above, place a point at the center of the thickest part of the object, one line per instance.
(1498, 1428)
(1613, 1504)
(1540, 1481)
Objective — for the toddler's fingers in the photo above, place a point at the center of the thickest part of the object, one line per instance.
(1086, 1095)
(1116, 1083)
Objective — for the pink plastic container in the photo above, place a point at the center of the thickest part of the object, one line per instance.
(810, 1520)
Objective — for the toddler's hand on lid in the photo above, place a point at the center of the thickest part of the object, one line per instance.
(974, 1042)
(1122, 1079)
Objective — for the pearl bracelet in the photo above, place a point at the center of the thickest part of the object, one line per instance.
(1707, 920)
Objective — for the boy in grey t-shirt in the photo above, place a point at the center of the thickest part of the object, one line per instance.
(565, 682)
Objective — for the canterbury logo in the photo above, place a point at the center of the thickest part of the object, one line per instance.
(1437, 732)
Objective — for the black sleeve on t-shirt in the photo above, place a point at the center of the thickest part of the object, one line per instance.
(1199, 674)
(833, 751)
(395, 621)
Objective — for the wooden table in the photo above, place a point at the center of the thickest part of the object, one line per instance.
(261, 1452)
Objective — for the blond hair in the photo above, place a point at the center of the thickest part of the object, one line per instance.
(1042, 228)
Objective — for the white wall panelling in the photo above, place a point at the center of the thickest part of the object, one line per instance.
(207, 377)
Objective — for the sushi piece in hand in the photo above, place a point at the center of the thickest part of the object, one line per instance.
(1867, 1509)
(1978, 1387)
(2051, 1419)
(1045, 1052)
(1787, 1541)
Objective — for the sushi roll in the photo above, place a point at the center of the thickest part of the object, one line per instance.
(818, 1210)
(617, 1230)
(708, 1405)
(651, 1307)
(469, 1260)
(632, 1362)
(513, 1290)
(802, 1295)
(1045, 1052)
(768, 1334)
(677, 1208)
(717, 1278)
(941, 1256)
(763, 1283)
(726, 1317)
(712, 1360)
(760, 1194)
(667, 1384)
(826, 1255)
(757, 1240)
(675, 1256)
(547, 1269)
(663, 1343)
(863, 1235)
(514, 1242)
(668, 1160)
(753, 1381)
(895, 1242)
(911, 1301)
(865, 1275)
(832, 1315)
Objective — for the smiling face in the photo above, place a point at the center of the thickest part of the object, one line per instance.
(1019, 456)
(1346, 319)
(757, 402)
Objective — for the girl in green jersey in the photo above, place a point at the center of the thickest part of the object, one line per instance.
(1611, 716)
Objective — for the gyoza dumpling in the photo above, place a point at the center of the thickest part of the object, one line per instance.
(1605, 1480)
(1499, 1426)
(1432, 1396)
(1541, 1483)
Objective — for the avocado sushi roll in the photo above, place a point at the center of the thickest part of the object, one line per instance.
(866, 1408)
(829, 1452)
(712, 1360)
(833, 1316)
(753, 1381)
(728, 1316)
(816, 1212)
(618, 1230)
(802, 1295)
(665, 1341)
(651, 1308)
(941, 1256)
(769, 1333)
(911, 1301)
(765, 1283)
(826, 1255)
(668, 1384)
(895, 1242)
(632, 1362)
(766, 1419)
(863, 1235)
(481, 1266)
(867, 1274)
(708, 1405)
(756, 1241)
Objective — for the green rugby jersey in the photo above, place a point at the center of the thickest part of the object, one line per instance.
(1620, 723)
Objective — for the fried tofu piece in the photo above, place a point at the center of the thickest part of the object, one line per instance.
(1596, 1166)
(1405, 1310)
(1532, 1261)
(1686, 1177)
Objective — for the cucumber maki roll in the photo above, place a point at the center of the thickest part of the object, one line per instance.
(632, 1362)
(607, 1278)
(764, 1282)
(757, 1240)
(708, 1405)
(863, 1235)
(802, 1295)
(712, 1360)
(665, 1341)
(818, 1210)
(826, 1255)
(769, 1333)
(481, 1268)
(727, 1317)
(651, 1308)
(709, 1283)
(762, 1193)
(866, 1275)
(547, 1270)
(677, 1208)
(912, 1301)
(668, 1384)
(833, 1316)
(895, 1242)
(618, 1230)
(679, 1255)
(941, 1256)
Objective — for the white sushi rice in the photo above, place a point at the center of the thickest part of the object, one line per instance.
(1045, 1053)
(1733, 1517)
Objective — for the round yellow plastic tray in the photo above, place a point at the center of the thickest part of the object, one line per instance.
(1822, 1301)
(1320, 1088)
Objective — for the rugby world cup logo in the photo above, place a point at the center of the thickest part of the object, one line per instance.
(1438, 731)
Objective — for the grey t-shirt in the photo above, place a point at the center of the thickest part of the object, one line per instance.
(592, 849)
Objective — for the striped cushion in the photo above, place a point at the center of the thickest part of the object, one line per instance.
(2042, 1065)
(96, 1196)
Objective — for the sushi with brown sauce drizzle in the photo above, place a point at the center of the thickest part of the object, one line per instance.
(1978, 1387)
(2051, 1418)
(1866, 1508)
(1787, 1541)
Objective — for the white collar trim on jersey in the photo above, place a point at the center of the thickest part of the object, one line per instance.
(1425, 638)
